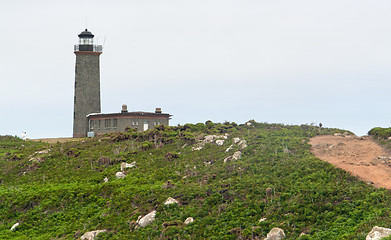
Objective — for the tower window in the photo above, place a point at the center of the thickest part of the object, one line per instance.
(115, 122)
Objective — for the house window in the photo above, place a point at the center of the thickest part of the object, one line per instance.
(107, 123)
(135, 123)
(115, 123)
(92, 124)
(99, 124)
(157, 123)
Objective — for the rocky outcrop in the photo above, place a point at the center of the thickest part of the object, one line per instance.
(275, 234)
(13, 228)
(147, 219)
(378, 233)
(189, 220)
(210, 139)
(91, 235)
(171, 200)
(106, 179)
(125, 165)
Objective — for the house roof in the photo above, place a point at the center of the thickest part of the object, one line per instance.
(128, 115)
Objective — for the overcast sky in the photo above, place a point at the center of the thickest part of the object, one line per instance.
(284, 61)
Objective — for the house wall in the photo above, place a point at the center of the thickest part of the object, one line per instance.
(102, 125)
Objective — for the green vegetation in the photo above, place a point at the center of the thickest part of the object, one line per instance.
(59, 193)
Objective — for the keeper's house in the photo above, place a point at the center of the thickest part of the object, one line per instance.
(101, 123)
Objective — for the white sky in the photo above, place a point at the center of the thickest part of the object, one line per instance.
(283, 61)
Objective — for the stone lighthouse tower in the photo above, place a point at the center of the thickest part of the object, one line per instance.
(87, 82)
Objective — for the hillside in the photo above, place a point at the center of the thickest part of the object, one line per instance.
(58, 191)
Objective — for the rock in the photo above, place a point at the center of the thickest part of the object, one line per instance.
(338, 134)
(262, 220)
(249, 123)
(36, 159)
(241, 143)
(220, 142)
(127, 165)
(106, 180)
(120, 175)
(13, 228)
(209, 138)
(189, 220)
(378, 233)
(236, 140)
(91, 235)
(147, 219)
(229, 158)
(229, 148)
(171, 200)
(237, 155)
(197, 148)
(275, 234)
(346, 134)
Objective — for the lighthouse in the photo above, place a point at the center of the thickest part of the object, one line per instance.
(87, 82)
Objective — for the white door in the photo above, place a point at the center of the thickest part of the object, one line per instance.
(145, 126)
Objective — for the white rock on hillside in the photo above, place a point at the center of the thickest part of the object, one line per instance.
(229, 149)
(147, 219)
(275, 234)
(170, 200)
(14, 226)
(125, 165)
(120, 175)
(189, 220)
(91, 235)
(220, 142)
(236, 140)
(106, 179)
(378, 233)
(237, 155)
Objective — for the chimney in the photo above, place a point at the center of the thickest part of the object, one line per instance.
(158, 110)
(124, 108)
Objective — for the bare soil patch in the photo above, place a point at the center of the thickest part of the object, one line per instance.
(55, 140)
(360, 156)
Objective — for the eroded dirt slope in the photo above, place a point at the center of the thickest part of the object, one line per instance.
(360, 156)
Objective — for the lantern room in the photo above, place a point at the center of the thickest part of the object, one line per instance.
(86, 43)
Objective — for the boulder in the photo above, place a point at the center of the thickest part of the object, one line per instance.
(262, 220)
(220, 142)
(229, 158)
(170, 200)
(147, 219)
(120, 175)
(13, 228)
(237, 155)
(229, 148)
(91, 235)
(125, 165)
(106, 179)
(378, 233)
(236, 140)
(189, 220)
(275, 234)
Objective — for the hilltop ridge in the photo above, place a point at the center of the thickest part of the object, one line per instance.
(234, 181)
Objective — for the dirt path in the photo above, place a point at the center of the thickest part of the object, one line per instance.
(55, 140)
(360, 156)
